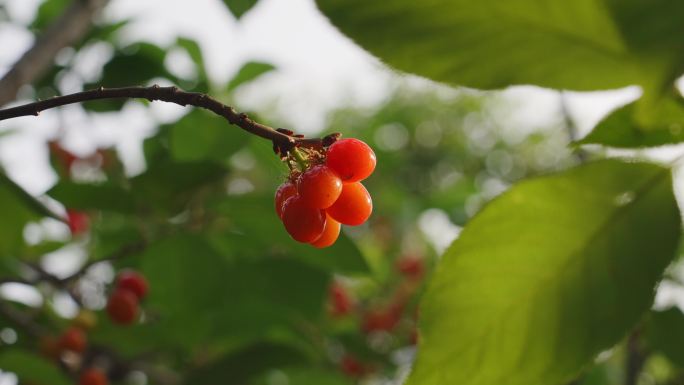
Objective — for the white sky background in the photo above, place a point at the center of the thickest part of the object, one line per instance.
(318, 70)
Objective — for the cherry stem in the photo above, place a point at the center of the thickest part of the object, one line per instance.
(303, 163)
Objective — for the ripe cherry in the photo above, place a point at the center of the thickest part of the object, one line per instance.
(352, 159)
(351, 366)
(319, 186)
(341, 302)
(410, 266)
(286, 190)
(382, 319)
(133, 281)
(304, 223)
(93, 376)
(354, 205)
(122, 307)
(78, 222)
(73, 340)
(330, 233)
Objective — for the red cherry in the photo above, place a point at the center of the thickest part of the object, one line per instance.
(73, 340)
(304, 223)
(285, 191)
(78, 222)
(381, 319)
(352, 159)
(354, 205)
(319, 186)
(122, 307)
(351, 366)
(410, 266)
(330, 233)
(133, 281)
(340, 300)
(65, 157)
(93, 376)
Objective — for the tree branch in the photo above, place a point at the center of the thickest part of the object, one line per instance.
(165, 94)
(69, 28)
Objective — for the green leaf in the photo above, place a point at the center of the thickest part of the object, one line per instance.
(623, 129)
(239, 7)
(246, 363)
(18, 209)
(81, 196)
(547, 275)
(168, 185)
(47, 12)
(582, 45)
(666, 334)
(249, 72)
(204, 136)
(31, 368)
(224, 297)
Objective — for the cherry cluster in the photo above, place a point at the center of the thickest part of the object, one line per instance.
(123, 305)
(74, 342)
(324, 191)
(394, 315)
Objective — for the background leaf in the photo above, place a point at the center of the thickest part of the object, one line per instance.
(239, 7)
(547, 275)
(249, 72)
(30, 367)
(666, 334)
(622, 127)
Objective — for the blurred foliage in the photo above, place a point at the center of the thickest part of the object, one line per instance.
(234, 300)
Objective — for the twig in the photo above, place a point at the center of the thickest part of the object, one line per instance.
(122, 252)
(635, 358)
(37, 206)
(69, 28)
(166, 94)
(21, 320)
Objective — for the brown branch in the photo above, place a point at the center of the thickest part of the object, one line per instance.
(69, 28)
(165, 94)
(21, 320)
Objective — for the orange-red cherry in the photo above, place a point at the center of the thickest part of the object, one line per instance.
(134, 282)
(73, 339)
(319, 186)
(122, 307)
(354, 205)
(93, 376)
(78, 222)
(286, 190)
(330, 233)
(304, 223)
(352, 159)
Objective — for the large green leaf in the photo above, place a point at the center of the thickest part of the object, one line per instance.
(31, 368)
(581, 44)
(622, 128)
(547, 275)
(666, 334)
